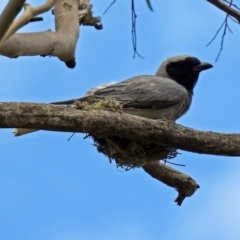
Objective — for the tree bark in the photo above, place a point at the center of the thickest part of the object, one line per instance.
(68, 119)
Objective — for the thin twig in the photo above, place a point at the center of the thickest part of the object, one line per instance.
(234, 5)
(216, 33)
(233, 19)
(176, 164)
(225, 27)
(109, 6)
(229, 29)
(223, 37)
(71, 136)
(36, 19)
(134, 34)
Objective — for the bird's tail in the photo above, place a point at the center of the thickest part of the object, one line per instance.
(21, 131)
(86, 98)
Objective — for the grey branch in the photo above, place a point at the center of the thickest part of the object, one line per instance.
(61, 43)
(226, 8)
(8, 15)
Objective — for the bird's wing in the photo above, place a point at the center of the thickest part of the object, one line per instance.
(145, 92)
(88, 95)
(71, 101)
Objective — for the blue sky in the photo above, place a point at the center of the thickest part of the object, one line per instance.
(54, 189)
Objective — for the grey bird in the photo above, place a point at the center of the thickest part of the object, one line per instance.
(167, 94)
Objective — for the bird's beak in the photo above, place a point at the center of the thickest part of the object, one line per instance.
(202, 66)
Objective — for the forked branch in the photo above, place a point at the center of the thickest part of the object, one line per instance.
(69, 14)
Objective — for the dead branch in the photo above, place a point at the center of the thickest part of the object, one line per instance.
(184, 184)
(226, 8)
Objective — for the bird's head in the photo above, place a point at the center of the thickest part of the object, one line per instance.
(183, 69)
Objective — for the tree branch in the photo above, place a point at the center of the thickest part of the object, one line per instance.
(62, 118)
(28, 14)
(163, 132)
(8, 15)
(185, 185)
(227, 9)
(62, 43)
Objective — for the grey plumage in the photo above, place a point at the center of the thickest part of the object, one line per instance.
(167, 94)
(149, 96)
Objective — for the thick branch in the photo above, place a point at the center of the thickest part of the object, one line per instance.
(226, 8)
(32, 44)
(61, 118)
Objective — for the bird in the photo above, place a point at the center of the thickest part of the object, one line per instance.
(165, 95)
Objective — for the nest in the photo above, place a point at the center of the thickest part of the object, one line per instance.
(127, 153)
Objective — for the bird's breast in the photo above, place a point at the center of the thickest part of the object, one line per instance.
(170, 113)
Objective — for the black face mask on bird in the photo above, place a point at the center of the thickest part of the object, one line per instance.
(186, 71)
